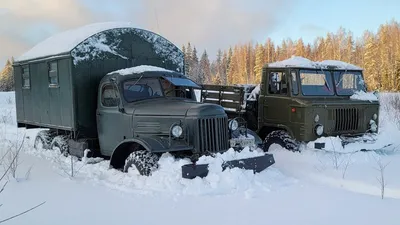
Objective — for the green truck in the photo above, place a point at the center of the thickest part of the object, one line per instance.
(298, 101)
(120, 92)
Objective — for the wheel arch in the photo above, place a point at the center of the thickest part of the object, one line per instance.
(122, 151)
(268, 128)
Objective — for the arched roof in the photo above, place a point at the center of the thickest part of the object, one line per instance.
(65, 42)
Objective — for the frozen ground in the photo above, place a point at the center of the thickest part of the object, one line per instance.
(312, 187)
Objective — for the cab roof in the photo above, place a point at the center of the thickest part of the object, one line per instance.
(301, 62)
(174, 77)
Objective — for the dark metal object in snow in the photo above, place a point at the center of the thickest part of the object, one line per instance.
(256, 164)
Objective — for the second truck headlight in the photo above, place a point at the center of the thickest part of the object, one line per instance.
(319, 129)
(233, 124)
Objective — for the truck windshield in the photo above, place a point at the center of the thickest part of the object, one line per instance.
(316, 83)
(142, 88)
(348, 82)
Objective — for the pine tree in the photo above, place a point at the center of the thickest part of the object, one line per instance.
(205, 72)
(194, 65)
(269, 51)
(259, 62)
(370, 63)
(300, 49)
(7, 77)
(224, 65)
(188, 59)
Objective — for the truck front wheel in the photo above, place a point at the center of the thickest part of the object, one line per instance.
(281, 138)
(144, 161)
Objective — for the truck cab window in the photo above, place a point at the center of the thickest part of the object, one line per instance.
(26, 84)
(277, 83)
(109, 96)
(295, 87)
(53, 74)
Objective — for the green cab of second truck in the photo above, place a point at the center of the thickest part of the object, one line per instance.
(301, 102)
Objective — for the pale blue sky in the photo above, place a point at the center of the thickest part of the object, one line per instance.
(312, 18)
(208, 24)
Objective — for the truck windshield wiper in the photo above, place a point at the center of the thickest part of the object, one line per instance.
(326, 81)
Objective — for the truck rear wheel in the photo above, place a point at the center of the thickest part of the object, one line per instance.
(144, 161)
(281, 138)
(43, 139)
(61, 142)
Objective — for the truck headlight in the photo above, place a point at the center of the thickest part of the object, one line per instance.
(319, 129)
(177, 131)
(316, 118)
(233, 124)
(375, 116)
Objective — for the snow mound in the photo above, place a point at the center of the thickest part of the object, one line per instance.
(364, 96)
(167, 178)
(140, 69)
(301, 62)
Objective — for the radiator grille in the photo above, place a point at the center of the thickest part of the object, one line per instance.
(346, 119)
(212, 134)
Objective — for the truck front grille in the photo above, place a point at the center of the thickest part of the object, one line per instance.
(212, 134)
(346, 119)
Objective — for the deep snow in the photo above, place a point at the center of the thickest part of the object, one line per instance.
(312, 187)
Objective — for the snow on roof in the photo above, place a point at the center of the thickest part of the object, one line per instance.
(294, 61)
(297, 61)
(65, 41)
(141, 69)
(339, 64)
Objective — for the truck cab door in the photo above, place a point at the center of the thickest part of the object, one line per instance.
(276, 109)
(108, 117)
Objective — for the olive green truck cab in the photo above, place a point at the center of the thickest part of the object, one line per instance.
(119, 92)
(298, 101)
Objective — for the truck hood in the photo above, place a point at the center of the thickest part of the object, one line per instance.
(173, 107)
(336, 101)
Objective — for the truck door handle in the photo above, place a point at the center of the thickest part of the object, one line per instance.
(99, 114)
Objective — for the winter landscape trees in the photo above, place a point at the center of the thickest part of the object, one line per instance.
(378, 53)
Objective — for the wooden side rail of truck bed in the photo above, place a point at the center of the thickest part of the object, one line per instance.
(231, 98)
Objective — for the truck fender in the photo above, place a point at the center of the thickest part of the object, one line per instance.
(268, 128)
(127, 146)
(257, 138)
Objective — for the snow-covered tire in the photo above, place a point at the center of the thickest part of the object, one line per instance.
(144, 161)
(281, 138)
(61, 142)
(44, 138)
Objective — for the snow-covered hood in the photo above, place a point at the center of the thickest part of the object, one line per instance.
(173, 107)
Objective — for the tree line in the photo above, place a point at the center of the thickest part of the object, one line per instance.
(378, 53)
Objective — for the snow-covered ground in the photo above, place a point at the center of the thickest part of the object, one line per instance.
(312, 187)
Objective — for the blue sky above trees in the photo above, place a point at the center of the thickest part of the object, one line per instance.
(209, 24)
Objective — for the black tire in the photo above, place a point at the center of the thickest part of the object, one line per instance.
(281, 138)
(44, 137)
(61, 142)
(144, 161)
